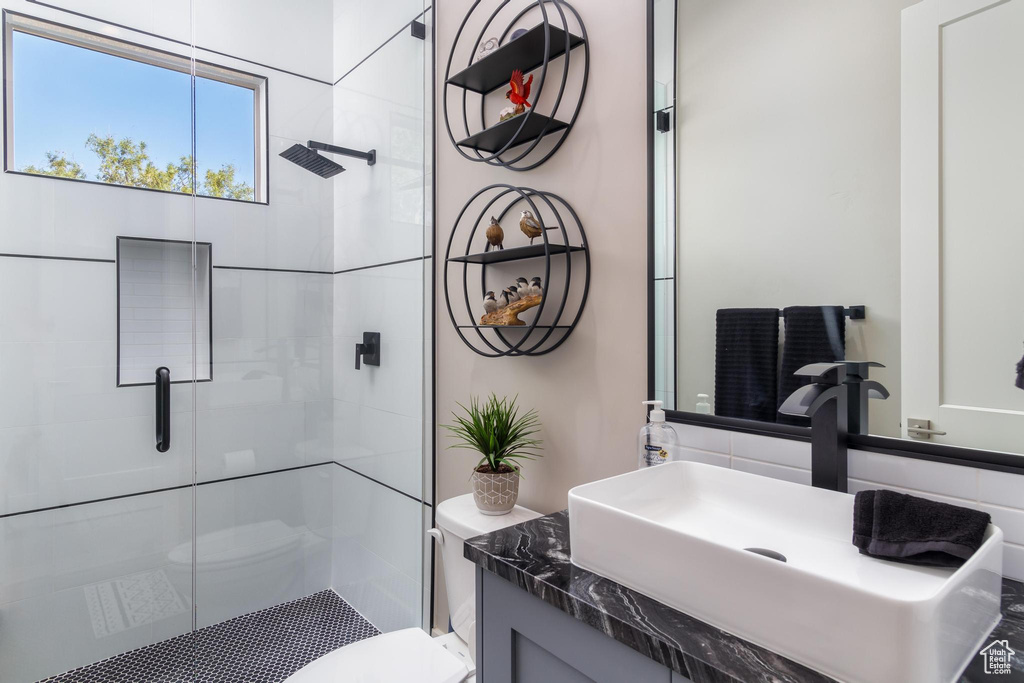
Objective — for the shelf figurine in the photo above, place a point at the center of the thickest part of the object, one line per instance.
(529, 225)
(506, 113)
(490, 303)
(495, 235)
(535, 288)
(513, 294)
(519, 92)
(503, 299)
(486, 47)
(518, 33)
(522, 287)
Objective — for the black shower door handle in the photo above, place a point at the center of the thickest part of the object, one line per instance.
(163, 409)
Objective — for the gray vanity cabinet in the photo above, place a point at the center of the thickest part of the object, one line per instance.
(522, 639)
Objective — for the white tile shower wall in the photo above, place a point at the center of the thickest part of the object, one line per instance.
(261, 541)
(379, 211)
(360, 27)
(68, 576)
(380, 217)
(162, 319)
(998, 493)
(378, 545)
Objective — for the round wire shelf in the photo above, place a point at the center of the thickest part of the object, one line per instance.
(563, 250)
(527, 140)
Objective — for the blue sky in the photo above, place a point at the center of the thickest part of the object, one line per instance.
(63, 93)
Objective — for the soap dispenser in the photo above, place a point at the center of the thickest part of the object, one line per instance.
(657, 439)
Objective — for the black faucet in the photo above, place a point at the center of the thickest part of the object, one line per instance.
(836, 396)
(825, 402)
(859, 390)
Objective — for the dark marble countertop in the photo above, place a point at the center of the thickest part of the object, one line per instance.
(535, 556)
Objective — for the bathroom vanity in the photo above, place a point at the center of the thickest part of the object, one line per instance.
(541, 618)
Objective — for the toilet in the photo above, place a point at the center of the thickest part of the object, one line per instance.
(445, 659)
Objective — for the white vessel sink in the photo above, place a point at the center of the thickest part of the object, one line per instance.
(679, 532)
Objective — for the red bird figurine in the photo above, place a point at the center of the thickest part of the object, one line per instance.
(519, 92)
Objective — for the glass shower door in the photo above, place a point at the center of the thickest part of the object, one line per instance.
(101, 284)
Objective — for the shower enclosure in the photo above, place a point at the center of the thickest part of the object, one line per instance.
(195, 478)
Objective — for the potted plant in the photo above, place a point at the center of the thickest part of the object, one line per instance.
(503, 438)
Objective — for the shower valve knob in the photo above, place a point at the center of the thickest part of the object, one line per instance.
(369, 350)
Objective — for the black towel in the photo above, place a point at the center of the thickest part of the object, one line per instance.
(916, 530)
(746, 362)
(814, 334)
(1020, 374)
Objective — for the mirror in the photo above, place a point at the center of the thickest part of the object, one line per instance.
(841, 180)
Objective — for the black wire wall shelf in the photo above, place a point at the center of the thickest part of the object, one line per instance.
(516, 142)
(561, 247)
(512, 133)
(515, 253)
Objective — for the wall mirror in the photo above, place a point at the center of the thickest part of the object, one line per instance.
(840, 180)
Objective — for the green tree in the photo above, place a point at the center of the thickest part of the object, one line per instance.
(58, 165)
(222, 184)
(125, 162)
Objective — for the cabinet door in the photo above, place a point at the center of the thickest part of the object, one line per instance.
(522, 639)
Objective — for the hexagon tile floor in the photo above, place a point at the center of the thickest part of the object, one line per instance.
(261, 647)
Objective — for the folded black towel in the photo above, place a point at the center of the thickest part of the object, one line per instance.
(863, 518)
(895, 526)
(746, 362)
(814, 334)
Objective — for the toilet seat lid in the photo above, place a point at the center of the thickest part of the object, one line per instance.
(409, 655)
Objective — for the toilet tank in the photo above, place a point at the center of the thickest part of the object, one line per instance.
(459, 519)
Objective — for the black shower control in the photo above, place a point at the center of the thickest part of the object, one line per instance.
(369, 350)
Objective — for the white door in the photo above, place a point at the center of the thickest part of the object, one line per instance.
(963, 220)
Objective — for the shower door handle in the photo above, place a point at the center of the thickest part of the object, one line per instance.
(163, 409)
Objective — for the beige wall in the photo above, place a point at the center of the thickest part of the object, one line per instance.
(588, 391)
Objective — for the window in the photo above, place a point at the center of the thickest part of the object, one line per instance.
(132, 114)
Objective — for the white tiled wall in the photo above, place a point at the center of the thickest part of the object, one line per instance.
(379, 536)
(160, 307)
(380, 218)
(997, 493)
(55, 566)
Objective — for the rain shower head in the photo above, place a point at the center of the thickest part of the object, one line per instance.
(311, 160)
(308, 158)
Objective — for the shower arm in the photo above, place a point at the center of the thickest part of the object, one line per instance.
(370, 157)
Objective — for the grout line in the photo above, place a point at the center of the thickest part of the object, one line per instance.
(379, 47)
(58, 258)
(48, 257)
(999, 507)
(381, 265)
(165, 489)
(366, 476)
(275, 270)
(908, 488)
(172, 40)
(774, 464)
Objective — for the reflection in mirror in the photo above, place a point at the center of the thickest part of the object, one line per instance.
(801, 214)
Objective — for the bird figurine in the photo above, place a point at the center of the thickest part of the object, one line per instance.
(490, 303)
(503, 299)
(519, 92)
(535, 288)
(495, 235)
(529, 225)
(513, 293)
(522, 287)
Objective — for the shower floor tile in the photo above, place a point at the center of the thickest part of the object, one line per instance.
(260, 647)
